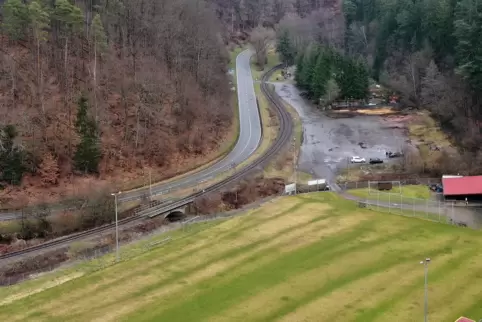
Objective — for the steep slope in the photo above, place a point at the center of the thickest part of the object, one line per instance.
(152, 74)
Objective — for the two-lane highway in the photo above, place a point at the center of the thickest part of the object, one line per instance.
(248, 140)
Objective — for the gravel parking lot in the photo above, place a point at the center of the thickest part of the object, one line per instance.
(328, 143)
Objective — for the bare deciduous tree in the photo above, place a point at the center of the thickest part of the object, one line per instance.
(260, 39)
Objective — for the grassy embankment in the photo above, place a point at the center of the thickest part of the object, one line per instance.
(311, 257)
(424, 131)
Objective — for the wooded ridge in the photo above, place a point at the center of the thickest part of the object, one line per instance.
(108, 87)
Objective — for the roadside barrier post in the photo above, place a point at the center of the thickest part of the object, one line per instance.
(378, 200)
(426, 208)
(439, 210)
(389, 204)
(413, 207)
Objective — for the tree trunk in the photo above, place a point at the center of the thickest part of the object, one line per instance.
(14, 86)
(232, 20)
(137, 125)
(95, 81)
(66, 95)
(126, 115)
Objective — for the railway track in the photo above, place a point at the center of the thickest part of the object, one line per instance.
(283, 138)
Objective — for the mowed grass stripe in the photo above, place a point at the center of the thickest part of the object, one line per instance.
(352, 275)
(346, 303)
(379, 310)
(473, 310)
(137, 277)
(346, 298)
(297, 287)
(266, 246)
(153, 292)
(223, 292)
(441, 290)
(326, 259)
(465, 293)
(411, 277)
(348, 262)
(176, 248)
(18, 291)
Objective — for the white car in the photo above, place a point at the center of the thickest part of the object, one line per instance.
(357, 159)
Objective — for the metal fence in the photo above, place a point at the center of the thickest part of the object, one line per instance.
(436, 209)
(348, 185)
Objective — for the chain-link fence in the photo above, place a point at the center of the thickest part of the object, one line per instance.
(433, 208)
(348, 185)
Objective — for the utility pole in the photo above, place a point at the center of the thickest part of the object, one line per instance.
(116, 227)
(425, 264)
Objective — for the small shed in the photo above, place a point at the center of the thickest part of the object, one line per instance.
(385, 185)
(461, 188)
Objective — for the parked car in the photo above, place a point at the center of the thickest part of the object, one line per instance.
(357, 159)
(375, 160)
(394, 154)
(438, 188)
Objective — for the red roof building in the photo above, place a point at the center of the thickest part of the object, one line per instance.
(462, 186)
(464, 319)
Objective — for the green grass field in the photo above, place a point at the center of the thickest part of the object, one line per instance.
(409, 193)
(310, 257)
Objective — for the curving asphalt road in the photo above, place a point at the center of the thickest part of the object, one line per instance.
(248, 140)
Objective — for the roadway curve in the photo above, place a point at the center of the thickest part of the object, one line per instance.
(248, 140)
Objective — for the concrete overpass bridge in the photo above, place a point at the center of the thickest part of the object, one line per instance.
(171, 209)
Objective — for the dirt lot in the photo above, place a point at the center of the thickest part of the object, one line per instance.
(329, 143)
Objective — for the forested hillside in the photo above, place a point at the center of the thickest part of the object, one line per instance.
(428, 50)
(108, 87)
(243, 15)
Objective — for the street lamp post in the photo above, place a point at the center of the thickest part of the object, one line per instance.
(425, 264)
(116, 227)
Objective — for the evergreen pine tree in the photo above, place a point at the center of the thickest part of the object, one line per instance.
(98, 35)
(88, 153)
(285, 48)
(13, 159)
(468, 34)
(300, 58)
(323, 70)
(304, 76)
(362, 81)
(15, 18)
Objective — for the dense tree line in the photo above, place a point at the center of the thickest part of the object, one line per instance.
(326, 74)
(428, 50)
(153, 74)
